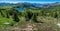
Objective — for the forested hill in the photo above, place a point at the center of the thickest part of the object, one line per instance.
(11, 12)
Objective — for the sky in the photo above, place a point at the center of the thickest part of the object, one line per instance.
(32, 1)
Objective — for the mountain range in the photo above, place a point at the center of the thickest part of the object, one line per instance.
(31, 4)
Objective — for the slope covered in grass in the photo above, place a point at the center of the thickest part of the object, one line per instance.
(44, 19)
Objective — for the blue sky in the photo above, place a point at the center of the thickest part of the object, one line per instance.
(37, 1)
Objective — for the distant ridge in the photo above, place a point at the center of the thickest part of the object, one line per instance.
(31, 4)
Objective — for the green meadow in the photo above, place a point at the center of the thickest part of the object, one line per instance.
(42, 19)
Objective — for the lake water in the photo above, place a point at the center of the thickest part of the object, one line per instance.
(20, 9)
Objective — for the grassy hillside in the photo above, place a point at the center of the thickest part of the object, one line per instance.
(44, 19)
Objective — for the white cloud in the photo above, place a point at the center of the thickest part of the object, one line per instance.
(16, 1)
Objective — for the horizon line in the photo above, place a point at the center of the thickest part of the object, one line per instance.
(24, 1)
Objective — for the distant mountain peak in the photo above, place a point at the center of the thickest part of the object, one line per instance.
(30, 4)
